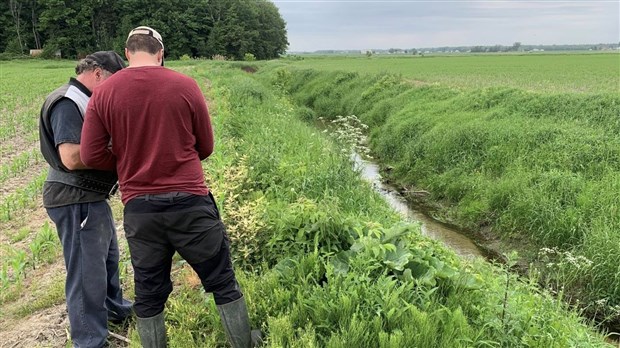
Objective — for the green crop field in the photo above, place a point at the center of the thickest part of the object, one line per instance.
(580, 73)
(322, 259)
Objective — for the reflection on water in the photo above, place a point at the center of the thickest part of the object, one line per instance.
(462, 245)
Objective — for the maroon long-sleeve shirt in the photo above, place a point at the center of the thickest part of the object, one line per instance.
(159, 127)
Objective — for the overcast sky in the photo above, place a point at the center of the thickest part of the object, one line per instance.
(381, 24)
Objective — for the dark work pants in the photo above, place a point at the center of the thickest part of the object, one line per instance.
(158, 225)
(92, 288)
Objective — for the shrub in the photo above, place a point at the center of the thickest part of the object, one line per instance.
(13, 47)
(50, 51)
(249, 57)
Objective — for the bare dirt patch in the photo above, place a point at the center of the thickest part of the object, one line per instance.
(249, 69)
(47, 328)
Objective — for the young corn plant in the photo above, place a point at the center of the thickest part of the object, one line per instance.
(36, 249)
(43, 246)
(5, 280)
(18, 264)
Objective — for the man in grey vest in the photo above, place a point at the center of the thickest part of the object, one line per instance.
(75, 199)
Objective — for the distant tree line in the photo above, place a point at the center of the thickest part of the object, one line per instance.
(519, 47)
(196, 28)
(515, 47)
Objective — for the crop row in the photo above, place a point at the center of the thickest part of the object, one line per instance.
(23, 197)
(14, 262)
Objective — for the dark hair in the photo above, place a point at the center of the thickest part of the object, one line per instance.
(144, 43)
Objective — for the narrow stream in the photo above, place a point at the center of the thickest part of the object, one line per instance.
(462, 245)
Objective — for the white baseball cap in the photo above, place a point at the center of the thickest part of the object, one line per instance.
(144, 30)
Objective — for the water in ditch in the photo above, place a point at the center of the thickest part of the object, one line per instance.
(462, 245)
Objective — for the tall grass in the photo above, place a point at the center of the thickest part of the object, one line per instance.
(541, 169)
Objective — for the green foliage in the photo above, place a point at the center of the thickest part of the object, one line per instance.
(249, 57)
(10, 56)
(188, 319)
(45, 246)
(539, 167)
(240, 27)
(13, 48)
(69, 27)
(326, 272)
(282, 78)
(349, 133)
(305, 114)
(292, 57)
(364, 307)
(194, 28)
(49, 51)
(305, 226)
(18, 264)
(381, 251)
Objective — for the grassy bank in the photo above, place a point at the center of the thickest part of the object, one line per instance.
(541, 170)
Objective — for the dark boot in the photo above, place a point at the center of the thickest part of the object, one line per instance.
(236, 323)
(152, 331)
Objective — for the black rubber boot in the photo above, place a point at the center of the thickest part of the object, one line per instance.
(152, 331)
(236, 323)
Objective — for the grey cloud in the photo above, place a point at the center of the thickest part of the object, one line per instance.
(314, 25)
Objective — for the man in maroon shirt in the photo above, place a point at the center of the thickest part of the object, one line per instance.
(152, 125)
